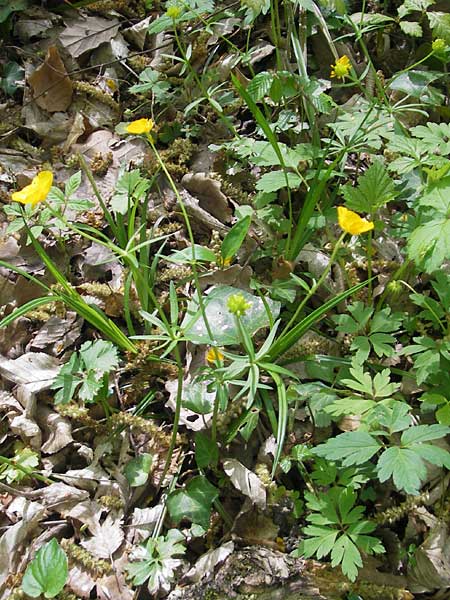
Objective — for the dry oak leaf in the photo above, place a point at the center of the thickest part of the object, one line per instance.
(51, 86)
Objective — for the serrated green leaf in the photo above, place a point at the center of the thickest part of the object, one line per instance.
(411, 28)
(424, 433)
(375, 189)
(47, 573)
(404, 466)
(100, 356)
(429, 244)
(352, 448)
(260, 85)
(440, 24)
(347, 555)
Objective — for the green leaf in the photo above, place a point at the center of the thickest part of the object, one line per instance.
(7, 8)
(424, 433)
(100, 356)
(47, 573)
(429, 244)
(137, 469)
(405, 467)
(375, 189)
(346, 554)
(352, 448)
(276, 180)
(206, 451)
(221, 322)
(193, 502)
(260, 85)
(202, 254)
(440, 24)
(234, 238)
(72, 184)
(196, 397)
(411, 28)
(409, 6)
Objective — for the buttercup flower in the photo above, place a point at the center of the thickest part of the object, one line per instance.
(351, 222)
(238, 305)
(213, 355)
(36, 191)
(174, 12)
(140, 126)
(342, 67)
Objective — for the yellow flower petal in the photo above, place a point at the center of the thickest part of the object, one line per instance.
(351, 222)
(213, 355)
(140, 126)
(36, 191)
(341, 68)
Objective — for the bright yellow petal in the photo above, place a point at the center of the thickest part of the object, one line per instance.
(213, 355)
(351, 222)
(44, 181)
(140, 126)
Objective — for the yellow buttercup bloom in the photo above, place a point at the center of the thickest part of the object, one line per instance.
(341, 69)
(140, 126)
(36, 191)
(351, 222)
(213, 355)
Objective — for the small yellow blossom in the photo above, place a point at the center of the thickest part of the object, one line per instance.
(351, 222)
(238, 305)
(36, 191)
(140, 126)
(342, 67)
(174, 12)
(213, 355)
(223, 263)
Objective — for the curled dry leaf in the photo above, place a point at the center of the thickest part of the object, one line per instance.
(143, 523)
(58, 429)
(245, 481)
(204, 567)
(60, 495)
(210, 197)
(431, 570)
(51, 86)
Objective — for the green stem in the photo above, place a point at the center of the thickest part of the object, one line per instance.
(314, 288)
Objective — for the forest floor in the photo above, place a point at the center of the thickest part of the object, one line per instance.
(225, 299)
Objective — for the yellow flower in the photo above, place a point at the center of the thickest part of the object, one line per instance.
(213, 355)
(351, 222)
(238, 305)
(174, 12)
(36, 191)
(341, 68)
(140, 126)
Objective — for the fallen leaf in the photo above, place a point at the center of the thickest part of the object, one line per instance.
(143, 523)
(36, 370)
(209, 195)
(13, 538)
(86, 33)
(58, 428)
(245, 481)
(205, 565)
(107, 538)
(51, 86)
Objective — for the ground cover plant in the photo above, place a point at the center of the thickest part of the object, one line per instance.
(225, 291)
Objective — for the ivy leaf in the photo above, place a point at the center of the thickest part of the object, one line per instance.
(206, 451)
(137, 469)
(47, 573)
(352, 448)
(193, 502)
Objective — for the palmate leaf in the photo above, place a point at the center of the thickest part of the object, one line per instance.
(352, 448)
(429, 244)
(405, 467)
(100, 356)
(375, 189)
